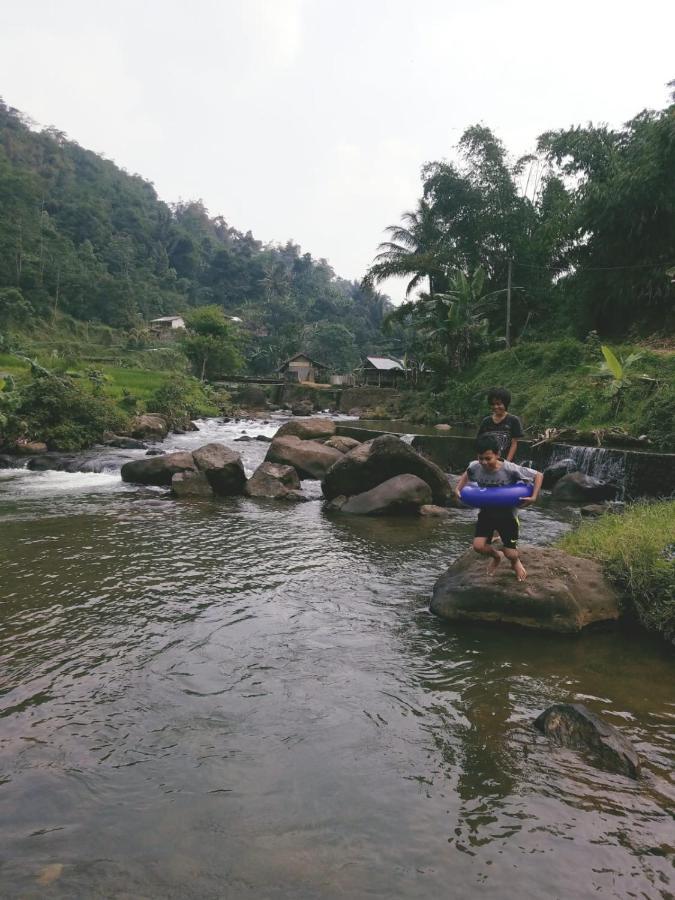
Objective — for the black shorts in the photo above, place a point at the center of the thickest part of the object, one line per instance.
(503, 521)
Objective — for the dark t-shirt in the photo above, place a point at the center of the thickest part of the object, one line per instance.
(504, 431)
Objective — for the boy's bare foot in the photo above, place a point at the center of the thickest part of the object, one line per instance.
(520, 570)
(494, 563)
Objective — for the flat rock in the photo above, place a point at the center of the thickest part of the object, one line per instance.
(341, 443)
(158, 470)
(309, 458)
(574, 725)
(308, 429)
(439, 512)
(562, 593)
(403, 494)
(376, 461)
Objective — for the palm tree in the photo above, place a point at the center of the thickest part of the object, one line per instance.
(458, 318)
(415, 248)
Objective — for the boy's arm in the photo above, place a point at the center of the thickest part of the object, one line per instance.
(538, 481)
(512, 450)
(462, 483)
(517, 432)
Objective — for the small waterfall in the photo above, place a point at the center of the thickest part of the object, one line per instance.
(407, 438)
(599, 462)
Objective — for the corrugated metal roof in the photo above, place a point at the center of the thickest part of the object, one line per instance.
(385, 363)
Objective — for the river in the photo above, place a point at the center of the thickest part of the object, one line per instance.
(239, 698)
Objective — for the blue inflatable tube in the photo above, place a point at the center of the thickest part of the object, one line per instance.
(502, 496)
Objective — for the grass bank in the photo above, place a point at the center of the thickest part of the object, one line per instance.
(556, 384)
(637, 550)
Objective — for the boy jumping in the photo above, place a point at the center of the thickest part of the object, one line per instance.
(490, 470)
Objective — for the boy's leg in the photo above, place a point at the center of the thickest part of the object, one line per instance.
(482, 542)
(508, 531)
(482, 545)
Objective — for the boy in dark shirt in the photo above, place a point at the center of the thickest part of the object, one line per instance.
(505, 427)
(490, 470)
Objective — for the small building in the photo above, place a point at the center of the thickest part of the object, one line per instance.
(383, 371)
(302, 368)
(166, 326)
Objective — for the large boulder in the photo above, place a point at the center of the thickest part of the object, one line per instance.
(574, 725)
(272, 480)
(399, 495)
(373, 462)
(577, 487)
(222, 467)
(308, 429)
(310, 458)
(302, 408)
(149, 426)
(557, 470)
(9, 462)
(191, 484)
(562, 593)
(158, 470)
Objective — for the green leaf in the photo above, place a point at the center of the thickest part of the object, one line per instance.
(613, 363)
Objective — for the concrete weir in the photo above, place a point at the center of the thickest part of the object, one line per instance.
(638, 473)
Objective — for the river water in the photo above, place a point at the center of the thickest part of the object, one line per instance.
(240, 698)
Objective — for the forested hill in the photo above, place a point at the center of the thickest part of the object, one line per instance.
(78, 235)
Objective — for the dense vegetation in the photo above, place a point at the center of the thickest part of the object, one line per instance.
(78, 235)
(559, 384)
(638, 553)
(585, 228)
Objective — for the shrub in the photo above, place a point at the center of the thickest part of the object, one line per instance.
(183, 397)
(64, 414)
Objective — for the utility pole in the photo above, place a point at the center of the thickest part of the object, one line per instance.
(508, 308)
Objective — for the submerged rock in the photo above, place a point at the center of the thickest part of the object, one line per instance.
(577, 487)
(376, 461)
(308, 429)
(403, 494)
(310, 458)
(272, 480)
(574, 725)
(562, 593)
(191, 484)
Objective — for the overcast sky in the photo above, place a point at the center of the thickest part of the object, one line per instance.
(310, 119)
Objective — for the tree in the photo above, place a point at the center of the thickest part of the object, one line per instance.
(211, 343)
(416, 248)
(333, 345)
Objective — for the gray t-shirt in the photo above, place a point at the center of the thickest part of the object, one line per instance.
(507, 473)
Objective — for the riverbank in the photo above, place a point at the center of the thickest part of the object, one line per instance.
(637, 550)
